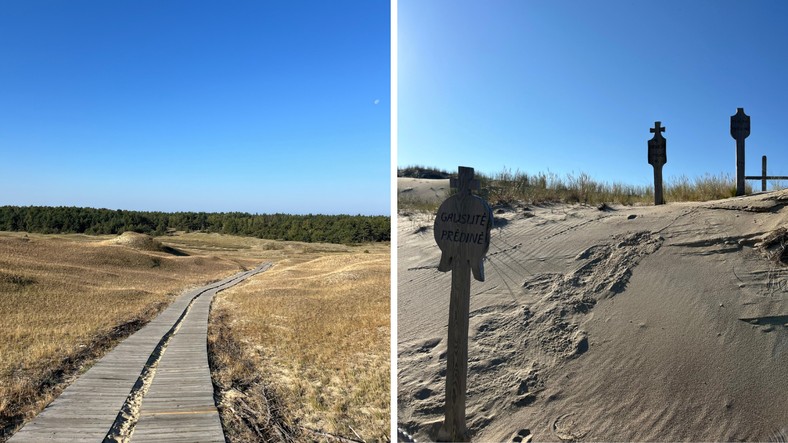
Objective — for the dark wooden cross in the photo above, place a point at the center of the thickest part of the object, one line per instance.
(462, 231)
(657, 157)
(740, 129)
(464, 181)
(657, 129)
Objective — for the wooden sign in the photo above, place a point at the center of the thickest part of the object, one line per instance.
(657, 157)
(740, 129)
(462, 226)
(740, 124)
(462, 231)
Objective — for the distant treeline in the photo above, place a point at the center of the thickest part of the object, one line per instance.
(306, 228)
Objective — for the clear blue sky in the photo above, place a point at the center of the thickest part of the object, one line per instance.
(574, 86)
(257, 106)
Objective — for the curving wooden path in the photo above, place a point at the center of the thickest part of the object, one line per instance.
(155, 385)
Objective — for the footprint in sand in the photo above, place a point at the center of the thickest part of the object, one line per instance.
(565, 428)
(522, 436)
(428, 345)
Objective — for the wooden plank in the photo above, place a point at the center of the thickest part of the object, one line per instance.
(182, 390)
(179, 404)
(768, 177)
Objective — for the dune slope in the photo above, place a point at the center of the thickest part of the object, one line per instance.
(633, 323)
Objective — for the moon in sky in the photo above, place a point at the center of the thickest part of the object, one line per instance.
(376, 101)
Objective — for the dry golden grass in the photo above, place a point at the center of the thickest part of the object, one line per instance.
(66, 300)
(316, 328)
(306, 343)
(507, 187)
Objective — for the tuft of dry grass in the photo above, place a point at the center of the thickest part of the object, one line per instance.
(410, 203)
(316, 330)
(707, 187)
(65, 300)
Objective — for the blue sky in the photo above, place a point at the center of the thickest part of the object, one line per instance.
(574, 86)
(257, 106)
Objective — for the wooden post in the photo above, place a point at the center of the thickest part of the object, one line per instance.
(454, 427)
(657, 157)
(763, 174)
(740, 129)
(462, 231)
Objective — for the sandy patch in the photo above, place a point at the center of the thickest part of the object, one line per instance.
(627, 324)
(422, 189)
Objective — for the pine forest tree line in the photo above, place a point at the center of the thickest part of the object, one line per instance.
(306, 228)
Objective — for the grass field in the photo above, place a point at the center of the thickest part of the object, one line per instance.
(305, 347)
(66, 300)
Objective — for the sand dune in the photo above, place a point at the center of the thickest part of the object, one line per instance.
(141, 242)
(135, 240)
(629, 324)
(422, 189)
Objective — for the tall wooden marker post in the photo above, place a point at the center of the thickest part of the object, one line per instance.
(657, 157)
(740, 129)
(462, 231)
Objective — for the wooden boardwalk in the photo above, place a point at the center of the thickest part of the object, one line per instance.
(178, 406)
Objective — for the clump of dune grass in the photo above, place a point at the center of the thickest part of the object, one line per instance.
(507, 187)
(704, 188)
(302, 350)
(408, 202)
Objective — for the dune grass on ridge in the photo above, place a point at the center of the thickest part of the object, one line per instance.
(507, 187)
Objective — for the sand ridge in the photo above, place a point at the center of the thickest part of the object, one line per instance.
(135, 240)
(140, 242)
(633, 323)
(422, 189)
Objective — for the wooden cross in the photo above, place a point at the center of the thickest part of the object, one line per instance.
(657, 129)
(464, 181)
(740, 129)
(657, 157)
(740, 124)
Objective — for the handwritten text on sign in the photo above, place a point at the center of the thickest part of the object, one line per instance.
(462, 236)
(462, 231)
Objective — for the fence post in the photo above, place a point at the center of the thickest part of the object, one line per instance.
(763, 171)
